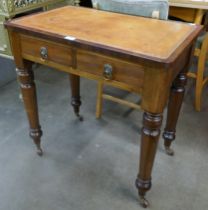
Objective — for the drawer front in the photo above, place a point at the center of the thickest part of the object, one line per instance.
(110, 69)
(46, 51)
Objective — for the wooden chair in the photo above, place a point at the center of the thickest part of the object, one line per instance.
(152, 9)
(201, 52)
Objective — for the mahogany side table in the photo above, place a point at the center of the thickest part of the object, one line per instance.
(148, 55)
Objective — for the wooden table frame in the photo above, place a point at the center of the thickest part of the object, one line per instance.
(157, 76)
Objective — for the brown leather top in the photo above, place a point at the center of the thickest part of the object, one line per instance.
(144, 37)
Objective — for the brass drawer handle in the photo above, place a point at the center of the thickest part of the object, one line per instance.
(108, 72)
(43, 53)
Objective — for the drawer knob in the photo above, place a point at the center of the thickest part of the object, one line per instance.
(108, 72)
(43, 53)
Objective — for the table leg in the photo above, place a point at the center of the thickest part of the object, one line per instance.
(75, 91)
(28, 89)
(174, 106)
(149, 141)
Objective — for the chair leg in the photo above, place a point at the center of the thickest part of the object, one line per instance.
(99, 100)
(200, 73)
(198, 93)
(199, 16)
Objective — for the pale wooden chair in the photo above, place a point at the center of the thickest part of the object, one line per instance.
(201, 52)
(147, 8)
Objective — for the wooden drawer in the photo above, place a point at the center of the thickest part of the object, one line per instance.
(122, 72)
(47, 52)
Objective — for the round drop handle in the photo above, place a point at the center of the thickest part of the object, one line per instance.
(108, 72)
(43, 53)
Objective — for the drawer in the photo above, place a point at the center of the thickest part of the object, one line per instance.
(110, 69)
(40, 50)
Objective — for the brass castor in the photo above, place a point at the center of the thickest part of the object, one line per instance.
(36, 134)
(143, 202)
(169, 151)
(80, 117)
(143, 186)
(39, 150)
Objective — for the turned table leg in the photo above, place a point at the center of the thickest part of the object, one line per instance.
(174, 106)
(149, 141)
(28, 89)
(75, 91)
